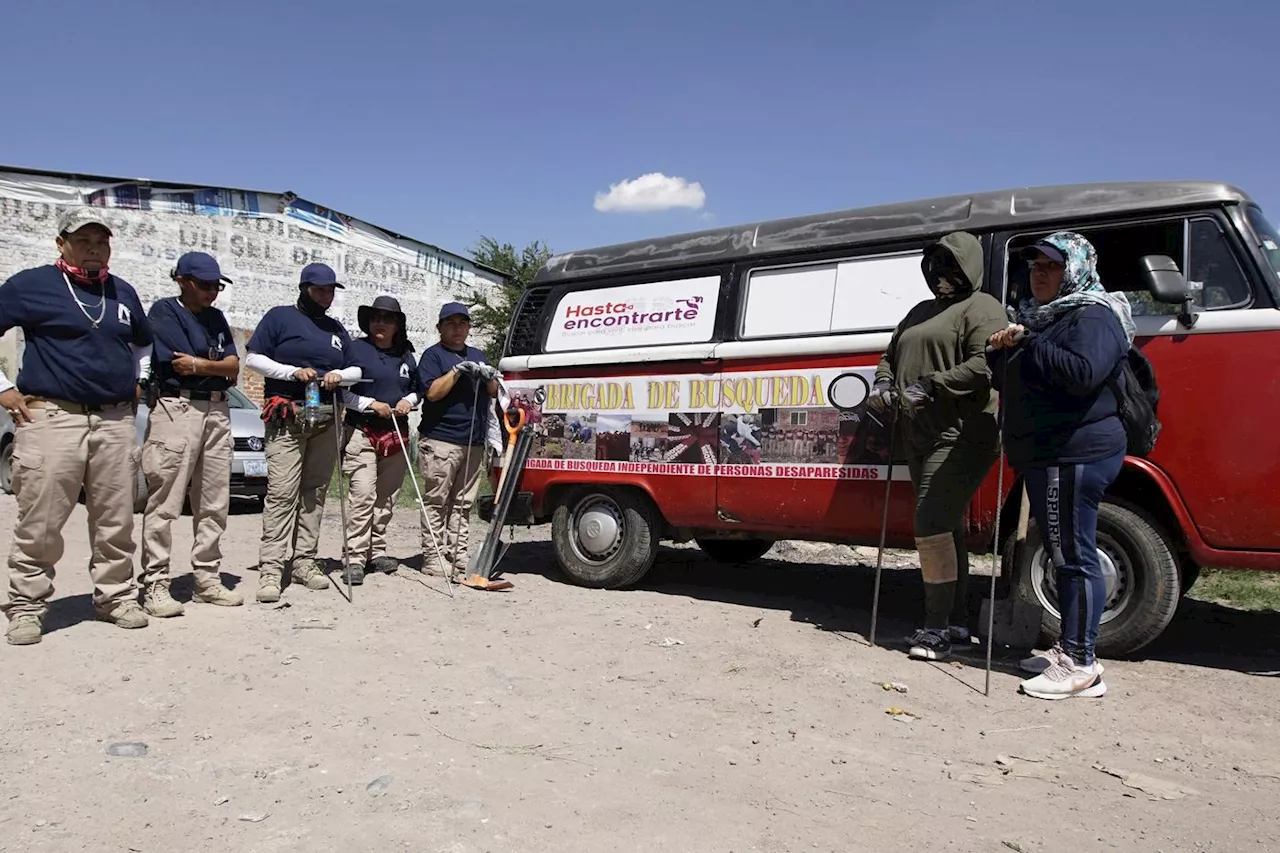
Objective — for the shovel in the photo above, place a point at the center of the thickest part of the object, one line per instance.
(476, 580)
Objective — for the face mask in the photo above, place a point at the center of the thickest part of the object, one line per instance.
(80, 275)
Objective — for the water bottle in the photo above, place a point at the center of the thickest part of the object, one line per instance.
(311, 404)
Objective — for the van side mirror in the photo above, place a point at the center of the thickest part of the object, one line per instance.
(1166, 284)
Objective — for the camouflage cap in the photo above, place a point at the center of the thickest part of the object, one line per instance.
(74, 218)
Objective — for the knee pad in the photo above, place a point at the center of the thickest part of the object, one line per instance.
(938, 562)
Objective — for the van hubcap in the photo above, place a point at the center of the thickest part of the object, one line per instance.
(597, 528)
(1117, 577)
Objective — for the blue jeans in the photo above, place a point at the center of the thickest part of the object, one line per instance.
(1064, 501)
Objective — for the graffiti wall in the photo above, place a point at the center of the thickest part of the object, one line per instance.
(261, 240)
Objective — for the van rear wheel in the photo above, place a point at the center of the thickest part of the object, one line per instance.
(734, 551)
(1140, 570)
(605, 538)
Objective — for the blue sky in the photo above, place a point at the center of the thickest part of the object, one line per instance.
(446, 121)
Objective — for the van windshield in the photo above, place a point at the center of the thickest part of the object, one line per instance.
(1267, 234)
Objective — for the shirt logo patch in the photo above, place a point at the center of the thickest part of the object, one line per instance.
(123, 315)
(335, 342)
(404, 371)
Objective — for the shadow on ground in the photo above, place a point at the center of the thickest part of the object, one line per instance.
(837, 598)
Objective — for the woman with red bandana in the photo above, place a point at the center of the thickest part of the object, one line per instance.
(88, 345)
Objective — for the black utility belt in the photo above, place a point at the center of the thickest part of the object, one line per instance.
(202, 396)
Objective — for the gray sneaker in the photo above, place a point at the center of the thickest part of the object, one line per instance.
(25, 629)
(123, 614)
(309, 574)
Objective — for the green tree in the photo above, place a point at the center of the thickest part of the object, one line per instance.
(493, 311)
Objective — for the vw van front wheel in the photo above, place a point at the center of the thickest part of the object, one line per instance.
(1140, 574)
(605, 538)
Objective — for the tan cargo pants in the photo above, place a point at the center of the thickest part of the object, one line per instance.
(373, 483)
(449, 484)
(187, 452)
(299, 467)
(63, 451)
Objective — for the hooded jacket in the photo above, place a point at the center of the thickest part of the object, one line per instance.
(943, 342)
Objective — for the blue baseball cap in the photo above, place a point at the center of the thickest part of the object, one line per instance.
(200, 266)
(452, 309)
(319, 275)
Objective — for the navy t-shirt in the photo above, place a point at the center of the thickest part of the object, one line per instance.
(288, 336)
(457, 417)
(204, 335)
(389, 379)
(66, 358)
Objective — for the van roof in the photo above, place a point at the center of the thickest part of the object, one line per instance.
(903, 220)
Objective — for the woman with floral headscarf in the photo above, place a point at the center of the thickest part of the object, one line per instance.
(1063, 434)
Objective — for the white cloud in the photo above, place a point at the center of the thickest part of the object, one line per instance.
(654, 191)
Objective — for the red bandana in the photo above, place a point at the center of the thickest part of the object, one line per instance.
(82, 276)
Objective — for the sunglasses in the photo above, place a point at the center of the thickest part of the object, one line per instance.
(1044, 265)
(208, 286)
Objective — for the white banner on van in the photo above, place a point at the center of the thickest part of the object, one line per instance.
(769, 424)
(660, 312)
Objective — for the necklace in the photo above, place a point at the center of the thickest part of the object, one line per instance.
(101, 306)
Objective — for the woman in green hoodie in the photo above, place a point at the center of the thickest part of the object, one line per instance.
(934, 378)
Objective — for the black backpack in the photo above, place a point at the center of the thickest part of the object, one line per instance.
(1137, 402)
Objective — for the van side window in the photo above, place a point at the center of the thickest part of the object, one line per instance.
(856, 295)
(1198, 246)
(1213, 271)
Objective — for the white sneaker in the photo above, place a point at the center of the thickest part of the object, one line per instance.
(1066, 679)
(1038, 663)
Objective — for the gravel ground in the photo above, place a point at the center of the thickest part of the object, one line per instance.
(714, 708)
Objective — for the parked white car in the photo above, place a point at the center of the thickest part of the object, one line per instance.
(248, 461)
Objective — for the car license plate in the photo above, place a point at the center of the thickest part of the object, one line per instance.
(255, 468)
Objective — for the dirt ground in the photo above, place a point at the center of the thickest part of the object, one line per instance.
(715, 708)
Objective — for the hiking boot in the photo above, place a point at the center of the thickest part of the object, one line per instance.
(927, 644)
(383, 565)
(308, 573)
(268, 587)
(437, 566)
(157, 601)
(123, 614)
(353, 575)
(1066, 679)
(24, 630)
(218, 594)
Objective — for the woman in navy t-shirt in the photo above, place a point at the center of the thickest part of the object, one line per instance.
(293, 345)
(374, 459)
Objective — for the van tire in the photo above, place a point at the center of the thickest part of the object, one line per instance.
(734, 551)
(6, 464)
(1148, 590)
(631, 550)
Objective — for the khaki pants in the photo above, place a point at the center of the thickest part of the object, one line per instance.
(299, 466)
(448, 492)
(373, 482)
(53, 459)
(187, 452)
